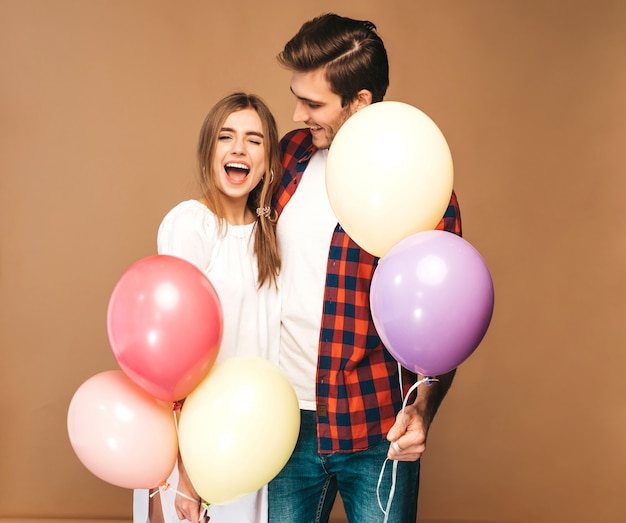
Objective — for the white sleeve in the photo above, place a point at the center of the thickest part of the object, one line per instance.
(185, 232)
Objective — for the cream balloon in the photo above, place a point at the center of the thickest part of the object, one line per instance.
(238, 428)
(389, 174)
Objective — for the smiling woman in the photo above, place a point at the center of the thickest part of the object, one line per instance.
(239, 163)
(229, 234)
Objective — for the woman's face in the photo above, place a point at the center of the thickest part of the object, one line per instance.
(239, 161)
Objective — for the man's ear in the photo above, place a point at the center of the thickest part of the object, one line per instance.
(363, 99)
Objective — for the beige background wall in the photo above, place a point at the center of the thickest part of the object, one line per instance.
(100, 105)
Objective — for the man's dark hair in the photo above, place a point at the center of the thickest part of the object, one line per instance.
(351, 51)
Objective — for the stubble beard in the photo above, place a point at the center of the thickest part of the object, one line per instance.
(331, 131)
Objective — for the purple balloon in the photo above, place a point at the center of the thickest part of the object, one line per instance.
(431, 300)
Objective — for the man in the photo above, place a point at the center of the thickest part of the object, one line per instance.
(347, 383)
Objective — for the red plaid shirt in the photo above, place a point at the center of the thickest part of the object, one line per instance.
(357, 393)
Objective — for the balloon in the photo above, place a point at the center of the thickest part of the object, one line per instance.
(165, 325)
(122, 434)
(431, 301)
(238, 428)
(389, 174)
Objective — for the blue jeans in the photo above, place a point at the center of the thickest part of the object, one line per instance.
(305, 490)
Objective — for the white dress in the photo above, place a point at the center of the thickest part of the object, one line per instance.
(251, 322)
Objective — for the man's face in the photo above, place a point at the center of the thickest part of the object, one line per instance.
(318, 107)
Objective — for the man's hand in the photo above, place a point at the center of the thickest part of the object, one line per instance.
(408, 434)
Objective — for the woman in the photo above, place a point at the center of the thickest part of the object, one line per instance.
(229, 233)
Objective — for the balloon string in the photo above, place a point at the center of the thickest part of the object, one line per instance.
(176, 406)
(166, 486)
(427, 380)
(391, 490)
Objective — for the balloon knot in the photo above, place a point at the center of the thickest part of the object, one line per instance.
(163, 486)
(205, 505)
(429, 380)
(177, 405)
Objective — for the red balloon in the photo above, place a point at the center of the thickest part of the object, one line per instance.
(165, 325)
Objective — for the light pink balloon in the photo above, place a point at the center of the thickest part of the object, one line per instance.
(120, 433)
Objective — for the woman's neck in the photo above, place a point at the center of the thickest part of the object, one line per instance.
(235, 212)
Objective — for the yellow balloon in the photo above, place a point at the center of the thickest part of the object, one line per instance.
(238, 428)
(389, 174)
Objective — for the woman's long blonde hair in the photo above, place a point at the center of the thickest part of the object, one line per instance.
(265, 246)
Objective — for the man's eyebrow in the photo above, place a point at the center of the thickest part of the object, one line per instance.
(303, 99)
(248, 133)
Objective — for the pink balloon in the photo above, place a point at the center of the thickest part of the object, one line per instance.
(165, 325)
(431, 300)
(122, 434)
